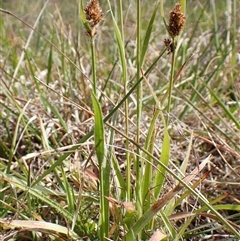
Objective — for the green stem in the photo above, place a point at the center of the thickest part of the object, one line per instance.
(139, 112)
(171, 84)
(94, 72)
(215, 24)
(125, 84)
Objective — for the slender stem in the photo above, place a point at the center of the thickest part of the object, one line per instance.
(94, 71)
(171, 84)
(215, 24)
(125, 84)
(139, 112)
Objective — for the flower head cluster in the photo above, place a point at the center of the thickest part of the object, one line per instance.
(176, 21)
(170, 45)
(93, 14)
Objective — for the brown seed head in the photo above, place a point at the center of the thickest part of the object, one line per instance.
(176, 20)
(93, 14)
(170, 45)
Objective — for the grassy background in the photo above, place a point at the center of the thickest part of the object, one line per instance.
(145, 177)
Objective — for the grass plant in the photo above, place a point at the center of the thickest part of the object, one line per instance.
(119, 120)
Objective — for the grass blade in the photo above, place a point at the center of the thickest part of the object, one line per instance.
(104, 168)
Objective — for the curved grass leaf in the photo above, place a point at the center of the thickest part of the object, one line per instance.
(104, 168)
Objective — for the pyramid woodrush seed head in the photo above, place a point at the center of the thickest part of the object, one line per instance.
(176, 21)
(93, 14)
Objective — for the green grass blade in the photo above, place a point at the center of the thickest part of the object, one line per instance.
(160, 176)
(148, 169)
(83, 17)
(121, 48)
(39, 192)
(98, 132)
(167, 224)
(225, 108)
(146, 40)
(50, 59)
(104, 168)
(216, 28)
